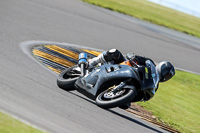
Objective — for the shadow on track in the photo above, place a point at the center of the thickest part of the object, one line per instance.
(87, 99)
(118, 114)
(135, 121)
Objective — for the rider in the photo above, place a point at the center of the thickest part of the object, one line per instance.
(165, 68)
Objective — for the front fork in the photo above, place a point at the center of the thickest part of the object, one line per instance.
(121, 86)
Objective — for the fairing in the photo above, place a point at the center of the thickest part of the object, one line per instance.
(91, 82)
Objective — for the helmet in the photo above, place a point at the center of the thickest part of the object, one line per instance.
(166, 70)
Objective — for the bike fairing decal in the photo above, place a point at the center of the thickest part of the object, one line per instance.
(146, 73)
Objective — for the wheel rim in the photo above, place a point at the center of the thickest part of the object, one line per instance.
(112, 95)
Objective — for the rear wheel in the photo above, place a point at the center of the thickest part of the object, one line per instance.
(111, 99)
(68, 77)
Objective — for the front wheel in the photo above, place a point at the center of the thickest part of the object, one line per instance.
(68, 77)
(111, 99)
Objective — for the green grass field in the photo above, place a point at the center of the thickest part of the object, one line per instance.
(176, 102)
(153, 13)
(11, 125)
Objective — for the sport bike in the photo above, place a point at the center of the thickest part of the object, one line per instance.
(111, 85)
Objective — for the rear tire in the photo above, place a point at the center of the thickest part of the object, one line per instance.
(125, 96)
(67, 78)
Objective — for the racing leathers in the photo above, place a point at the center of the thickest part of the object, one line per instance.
(114, 56)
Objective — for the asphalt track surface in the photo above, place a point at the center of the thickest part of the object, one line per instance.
(30, 92)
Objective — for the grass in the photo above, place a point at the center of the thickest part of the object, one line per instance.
(10, 125)
(153, 13)
(176, 102)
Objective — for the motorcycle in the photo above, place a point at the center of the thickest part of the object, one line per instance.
(111, 85)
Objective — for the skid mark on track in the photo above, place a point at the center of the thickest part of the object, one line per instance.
(58, 58)
(63, 51)
(52, 58)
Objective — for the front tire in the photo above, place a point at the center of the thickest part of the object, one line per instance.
(108, 99)
(67, 78)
